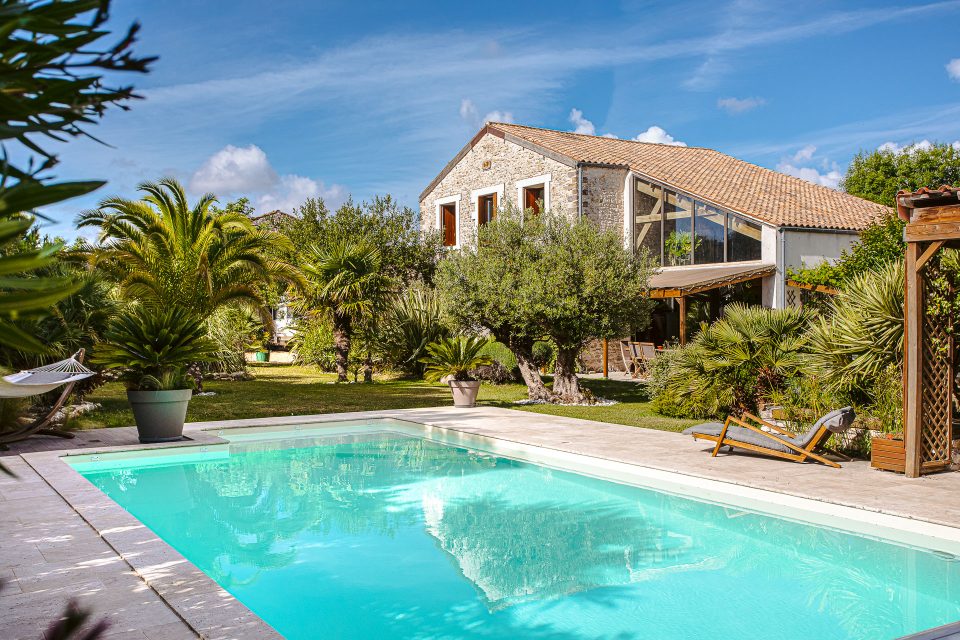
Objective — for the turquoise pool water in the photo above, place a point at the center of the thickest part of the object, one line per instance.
(384, 535)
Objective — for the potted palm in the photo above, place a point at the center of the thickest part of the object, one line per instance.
(453, 359)
(153, 348)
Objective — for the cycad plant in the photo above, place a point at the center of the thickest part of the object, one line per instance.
(455, 357)
(740, 360)
(862, 336)
(163, 251)
(347, 278)
(154, 347)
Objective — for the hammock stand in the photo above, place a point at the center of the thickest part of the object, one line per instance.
(33, 382)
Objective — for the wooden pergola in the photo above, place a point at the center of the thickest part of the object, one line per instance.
(933, 223)
(680, 283)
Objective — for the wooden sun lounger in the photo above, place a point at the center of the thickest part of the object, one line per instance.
(746, 433)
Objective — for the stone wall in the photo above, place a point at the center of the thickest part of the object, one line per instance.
(603, 196)
(592, 356)
(508, 163)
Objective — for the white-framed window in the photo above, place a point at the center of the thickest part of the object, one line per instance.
(533, 193)
(486, 203)
(448, 220)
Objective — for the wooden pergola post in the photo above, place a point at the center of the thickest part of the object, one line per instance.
(605, 352)
(683, 319)
(912, 360)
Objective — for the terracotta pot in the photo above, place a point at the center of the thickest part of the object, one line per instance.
(160, 414)
(464, 392)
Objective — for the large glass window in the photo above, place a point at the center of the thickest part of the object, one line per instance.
(708, 234)
(677, 229)
(743, 239)
(648, 218)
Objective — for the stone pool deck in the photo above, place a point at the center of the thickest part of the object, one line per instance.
(62, 538)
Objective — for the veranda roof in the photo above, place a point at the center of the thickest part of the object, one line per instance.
(684, 281)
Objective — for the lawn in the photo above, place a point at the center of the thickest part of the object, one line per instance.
(290, 390)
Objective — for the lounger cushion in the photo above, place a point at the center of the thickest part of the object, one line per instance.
(740, 434)
(836, 422)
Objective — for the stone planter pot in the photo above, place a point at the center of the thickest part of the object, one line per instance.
(160, 414)
(464, 392)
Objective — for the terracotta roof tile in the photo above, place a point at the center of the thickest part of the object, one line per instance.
(723, 180)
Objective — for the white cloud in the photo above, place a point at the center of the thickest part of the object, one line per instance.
(829, 178)
(292, 190)
(246, 171)
(469, 112)
(737, 106)
(234, 169)
(658, 135)
(805, 154)
(953, 69)
(923, 145)
(583, 125)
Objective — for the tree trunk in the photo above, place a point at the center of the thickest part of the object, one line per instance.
(566, 384)
(341, 345)
(523, 350)
(368, 368)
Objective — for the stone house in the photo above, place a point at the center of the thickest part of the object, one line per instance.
(721, 229)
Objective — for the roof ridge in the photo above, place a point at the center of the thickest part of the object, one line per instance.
(801, 182)
(587, 135)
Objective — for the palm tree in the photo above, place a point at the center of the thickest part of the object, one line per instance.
(741, 359)
(161, 250)
(347, 278)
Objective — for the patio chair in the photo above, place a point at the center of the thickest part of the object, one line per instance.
(631, 357)
(746, 433)
(648, 353)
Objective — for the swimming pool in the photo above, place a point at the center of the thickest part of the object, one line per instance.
(385, 530)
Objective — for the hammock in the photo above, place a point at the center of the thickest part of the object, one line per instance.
(33, 382)
(40, 380)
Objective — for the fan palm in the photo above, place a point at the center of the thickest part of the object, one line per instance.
(741, 359)
(162, 251)
(346, 277)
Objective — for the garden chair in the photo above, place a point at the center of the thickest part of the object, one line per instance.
(648, 353)
(631, 357)
(746, 433)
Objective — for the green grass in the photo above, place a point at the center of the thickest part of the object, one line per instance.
(288, 390)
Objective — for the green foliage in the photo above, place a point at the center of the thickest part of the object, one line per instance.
(678, 247)
(880, 243)
(51, 70)
(455, 357)
(232, 329)
(407, 254)
(501, 353)
(312, 342)
(735, 363)
(154, 346)
(347, 277)
(878, 175)
(162, 251)
(545, 277)
(410, 323)
(863, 333)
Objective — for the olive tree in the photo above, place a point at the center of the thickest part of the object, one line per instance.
(545, 277)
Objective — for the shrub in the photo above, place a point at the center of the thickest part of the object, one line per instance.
(735, 363)
(231, 329)
(863, 334)
(312, 343)
(504, 367)
(410, 323)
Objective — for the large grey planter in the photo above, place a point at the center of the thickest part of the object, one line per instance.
(464, 392)
(160, 414)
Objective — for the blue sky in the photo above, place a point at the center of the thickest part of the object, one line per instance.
(281, 100)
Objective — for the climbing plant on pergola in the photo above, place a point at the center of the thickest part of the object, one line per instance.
(930, 316)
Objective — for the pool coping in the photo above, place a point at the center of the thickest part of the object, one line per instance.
(197, 599)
